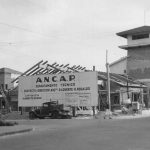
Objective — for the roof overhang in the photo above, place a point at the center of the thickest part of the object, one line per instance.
(123, 84)
(127, 47)
(138, 30)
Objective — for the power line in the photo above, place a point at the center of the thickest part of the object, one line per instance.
(108, 34)
(24, 29)
(7, 43)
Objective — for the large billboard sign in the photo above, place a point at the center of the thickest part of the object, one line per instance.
(75, 89)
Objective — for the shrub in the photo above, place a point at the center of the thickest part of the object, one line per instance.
(7, 123)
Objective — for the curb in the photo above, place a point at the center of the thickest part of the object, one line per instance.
(15, 132)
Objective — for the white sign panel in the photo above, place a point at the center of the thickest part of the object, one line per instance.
(75, 89)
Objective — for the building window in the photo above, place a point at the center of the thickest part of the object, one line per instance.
(140, 36)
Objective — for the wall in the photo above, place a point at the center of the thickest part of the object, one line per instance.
(7, 80)
(1, 78)
(138, 63)
(119, 68)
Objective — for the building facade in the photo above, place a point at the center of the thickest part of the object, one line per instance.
(137, 61)
(6, 76)
(138, 53)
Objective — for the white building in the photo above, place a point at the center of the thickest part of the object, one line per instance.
(119, 66)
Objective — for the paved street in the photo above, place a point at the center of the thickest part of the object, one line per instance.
(93, 134)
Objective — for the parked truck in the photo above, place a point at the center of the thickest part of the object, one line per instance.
(50, 110)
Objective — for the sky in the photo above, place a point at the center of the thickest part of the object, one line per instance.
(77, 32)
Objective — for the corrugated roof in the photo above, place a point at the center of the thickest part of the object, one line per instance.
(120, 79)
(142, 29)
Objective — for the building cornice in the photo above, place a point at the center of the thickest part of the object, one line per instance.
(127, 47)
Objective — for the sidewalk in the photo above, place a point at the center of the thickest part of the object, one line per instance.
(145, 113)
(11, 130)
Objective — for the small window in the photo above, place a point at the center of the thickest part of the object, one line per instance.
(140, 36)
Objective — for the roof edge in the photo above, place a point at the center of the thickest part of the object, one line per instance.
(134, 31)
(119, 60)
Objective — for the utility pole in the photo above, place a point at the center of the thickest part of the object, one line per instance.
(128, 87)
(108, 81)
